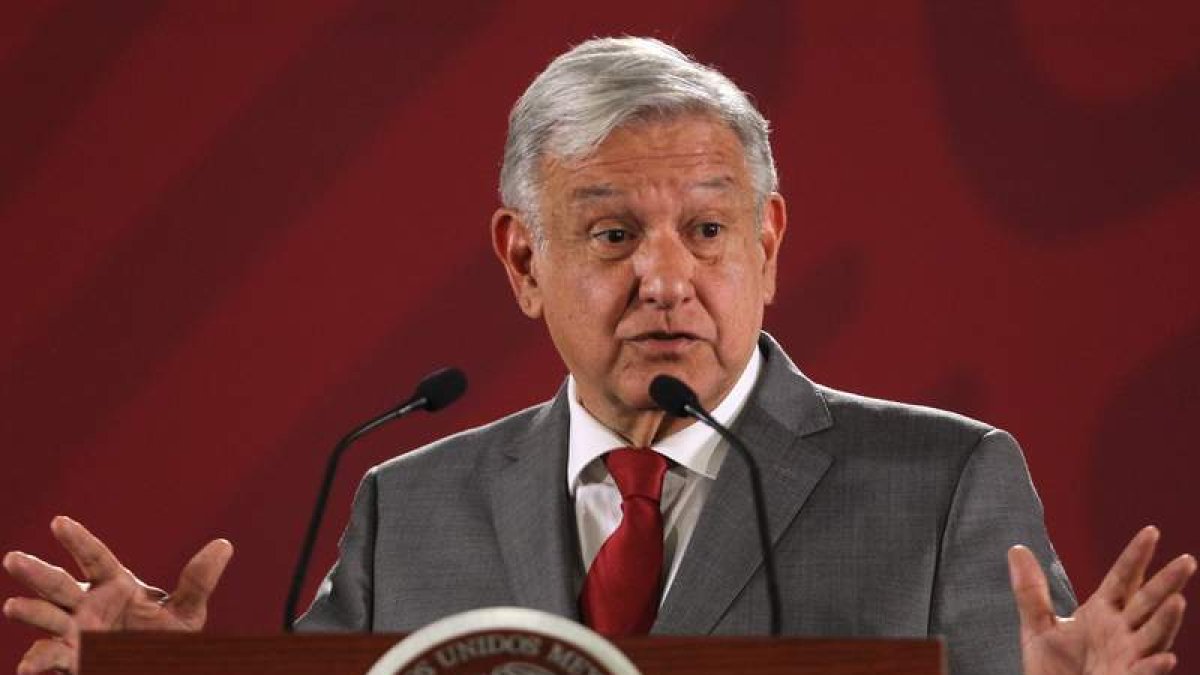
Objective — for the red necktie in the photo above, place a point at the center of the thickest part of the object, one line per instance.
(620, 593)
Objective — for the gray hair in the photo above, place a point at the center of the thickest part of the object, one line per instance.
(598, 86)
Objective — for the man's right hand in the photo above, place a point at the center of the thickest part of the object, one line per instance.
(110, 597)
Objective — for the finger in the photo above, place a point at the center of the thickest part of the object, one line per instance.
(1031, 592)
(1170, 580)
(198, 579)
(49, 581)
(1158, 664)
(39, 614)
(1127, 573)
(94, 559)
(1159, 631)
(49, 654)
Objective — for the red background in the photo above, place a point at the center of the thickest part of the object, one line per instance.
(233, 231)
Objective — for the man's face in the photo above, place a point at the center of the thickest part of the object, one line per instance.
(653, 263)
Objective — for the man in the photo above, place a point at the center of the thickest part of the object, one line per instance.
(641, 222)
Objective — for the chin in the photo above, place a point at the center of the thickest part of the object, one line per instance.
(635, 387)
(636, 398)
(708, 388)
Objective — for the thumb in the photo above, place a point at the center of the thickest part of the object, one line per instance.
(1031, 592)
(197, 581)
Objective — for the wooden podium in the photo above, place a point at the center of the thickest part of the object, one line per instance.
(203, 654)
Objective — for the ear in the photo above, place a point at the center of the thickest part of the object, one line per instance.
(774, 224)
(513, 243)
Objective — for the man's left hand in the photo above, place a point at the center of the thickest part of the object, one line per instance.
(1125, 628)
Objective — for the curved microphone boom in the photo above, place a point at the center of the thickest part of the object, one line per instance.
(678, 399)
(438, 390)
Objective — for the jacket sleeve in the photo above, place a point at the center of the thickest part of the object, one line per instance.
(344, 601)
(994, 507)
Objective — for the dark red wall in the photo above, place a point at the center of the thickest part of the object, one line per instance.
(230, 234)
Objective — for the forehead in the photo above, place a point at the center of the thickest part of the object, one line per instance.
(694, 152)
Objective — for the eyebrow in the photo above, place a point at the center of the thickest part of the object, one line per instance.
(605, 191)
(723, 182)
(590, 192)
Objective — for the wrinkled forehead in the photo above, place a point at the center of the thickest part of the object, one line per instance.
(567, 139)
(693, 153)
(563, 145)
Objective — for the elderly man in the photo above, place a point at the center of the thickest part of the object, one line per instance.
(641, 222)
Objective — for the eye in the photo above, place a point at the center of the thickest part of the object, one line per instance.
(612, 236)
(710, 230)
(613, 240)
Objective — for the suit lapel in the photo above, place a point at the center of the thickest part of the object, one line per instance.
(533, 515)
(724, 552)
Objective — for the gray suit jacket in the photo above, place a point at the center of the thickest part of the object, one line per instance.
(887, 520)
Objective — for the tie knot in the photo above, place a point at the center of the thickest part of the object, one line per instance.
(637, 471)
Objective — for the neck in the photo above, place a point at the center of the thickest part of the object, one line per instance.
(646, 427)
(640, 427)
(642, 424)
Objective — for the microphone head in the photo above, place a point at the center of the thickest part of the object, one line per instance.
(440, 388)
(673, 396)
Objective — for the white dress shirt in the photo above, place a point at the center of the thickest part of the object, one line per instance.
(696, 453)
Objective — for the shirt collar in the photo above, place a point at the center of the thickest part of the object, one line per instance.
(696, 446)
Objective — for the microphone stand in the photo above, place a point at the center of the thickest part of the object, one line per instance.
(314, 522)
(760, 509)
(436, 391)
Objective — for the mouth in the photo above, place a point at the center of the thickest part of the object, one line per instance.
(664, 335)
(664, 343)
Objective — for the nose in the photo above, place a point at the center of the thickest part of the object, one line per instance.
(665, 267)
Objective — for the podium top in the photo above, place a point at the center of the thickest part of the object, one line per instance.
(133, 653)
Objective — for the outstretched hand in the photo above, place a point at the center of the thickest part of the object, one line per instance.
(1127, 627)
(110, 597)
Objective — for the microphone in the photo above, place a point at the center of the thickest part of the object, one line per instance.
(438, 390)
(678, 399)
